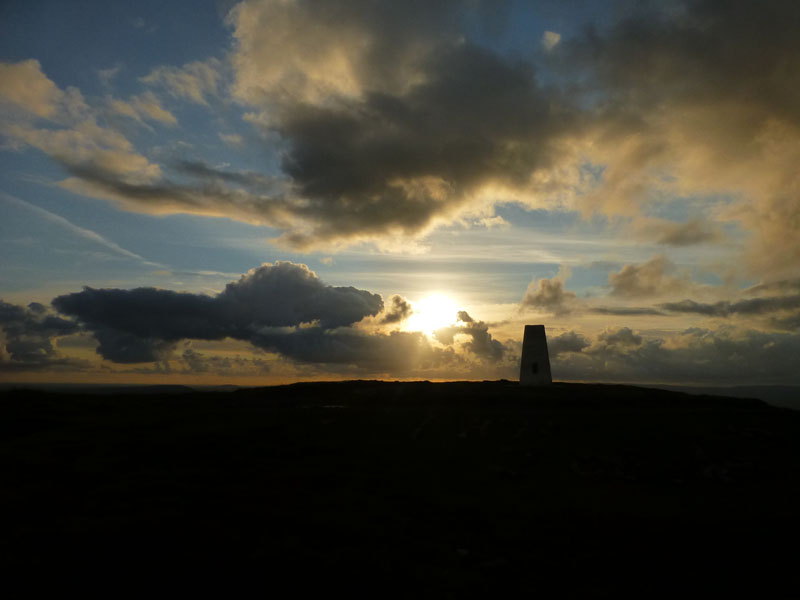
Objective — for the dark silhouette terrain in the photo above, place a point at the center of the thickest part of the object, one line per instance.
(401, 489)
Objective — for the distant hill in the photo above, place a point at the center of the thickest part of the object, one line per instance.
(786, 396)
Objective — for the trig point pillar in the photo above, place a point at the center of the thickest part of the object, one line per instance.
(535, 366)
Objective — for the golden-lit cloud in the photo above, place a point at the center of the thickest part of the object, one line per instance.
(24, 87)
(143, 106)
(195, 81)
(71, 133)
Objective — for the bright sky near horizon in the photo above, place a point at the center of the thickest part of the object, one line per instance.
(277, 190)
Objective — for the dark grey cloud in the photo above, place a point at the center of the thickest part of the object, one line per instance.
(403, 115)
(399, 309)
(623, 336)
(783, 285)
(420, 120)
(143, 324)
(247, 179)
(706, 93)
(751, 306)
(27, 338)
(626, 311)
(692, 232)
(791, 323)
(286, 294)
(396, 352)
(200, 362)
(732, 50)
(394, 162)
(570, 341)
(724, 356)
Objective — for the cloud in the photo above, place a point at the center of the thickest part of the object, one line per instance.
(24, 87)
(689, 233)
(783, 285)
(700, 102)
(107, 76)
(399, 310)
(571, 341)
(396, 352)
(143, 324)
(82, 232)
(652, 278)
(195, 81)
(144, 106)
(626, 311)
(694, 356)
(232, 139)
(390, 122)
(619, 337)
(550, 39)
(549, 295)
(27, 338)
(72, 134)
(199, 362)
(751, 306)
(393, 122)
(388, 161)
(481, 342)
(282, 308)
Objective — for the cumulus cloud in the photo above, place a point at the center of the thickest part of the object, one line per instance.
(571, 341)
(143, 324)
(398, 310)
(282, 308)
(549, 295)
(701, 102)
(652, 278)
(481, 343)
(389, 123)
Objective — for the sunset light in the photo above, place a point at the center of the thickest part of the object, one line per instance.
(431, 313)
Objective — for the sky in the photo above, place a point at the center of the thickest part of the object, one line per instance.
(269, 191)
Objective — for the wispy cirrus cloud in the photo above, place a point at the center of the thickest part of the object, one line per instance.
(82, 232)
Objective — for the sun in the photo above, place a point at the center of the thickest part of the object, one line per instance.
(432, 313)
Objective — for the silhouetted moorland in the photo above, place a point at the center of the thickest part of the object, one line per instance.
(401, 489)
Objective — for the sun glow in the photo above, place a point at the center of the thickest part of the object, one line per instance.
(431, 313)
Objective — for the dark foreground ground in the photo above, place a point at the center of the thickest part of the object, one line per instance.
(401, 489)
